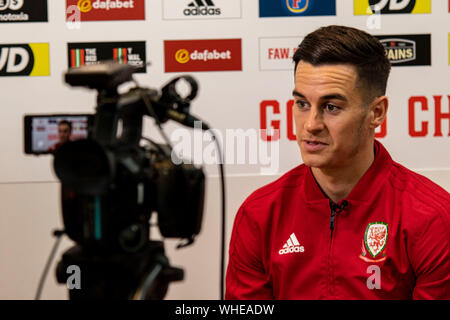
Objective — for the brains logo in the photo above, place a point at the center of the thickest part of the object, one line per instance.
(84, 5)
(407, 49)
(297, 6)
(182, 56)
(399, 50)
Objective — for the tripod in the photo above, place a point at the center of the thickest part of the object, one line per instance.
(144, 275)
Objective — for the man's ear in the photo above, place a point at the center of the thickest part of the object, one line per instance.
(378, 111)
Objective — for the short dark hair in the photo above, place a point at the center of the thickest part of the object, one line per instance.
(66, 123)
(345, 45)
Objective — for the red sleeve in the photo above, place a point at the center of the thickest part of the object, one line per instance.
(246, 278)
(430, 258)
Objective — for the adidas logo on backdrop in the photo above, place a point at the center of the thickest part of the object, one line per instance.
(201, 8)
(292, 245)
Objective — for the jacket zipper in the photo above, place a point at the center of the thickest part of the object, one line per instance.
(335, 209)
(330, 271)
(333, 217)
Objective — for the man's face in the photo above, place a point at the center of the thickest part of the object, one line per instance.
(331, 122)
(63, 133)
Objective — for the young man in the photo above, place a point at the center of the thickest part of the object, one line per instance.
(349, 223)
(64, 134)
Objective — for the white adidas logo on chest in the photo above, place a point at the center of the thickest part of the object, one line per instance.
(291, 246)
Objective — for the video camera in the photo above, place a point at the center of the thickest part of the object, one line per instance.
(111, 184)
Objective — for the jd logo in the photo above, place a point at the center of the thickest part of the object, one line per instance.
(24, 59)
(16, 60)
(392, 6)
(11, 4)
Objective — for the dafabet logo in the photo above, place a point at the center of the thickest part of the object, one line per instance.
(203, 55)
(101, 10)
(31, 59)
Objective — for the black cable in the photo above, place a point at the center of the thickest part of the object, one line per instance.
(222, 180)
(222, 288)
(58, 234)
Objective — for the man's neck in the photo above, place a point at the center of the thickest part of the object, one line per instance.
(337, 183)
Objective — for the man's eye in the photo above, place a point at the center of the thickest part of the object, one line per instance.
(301, 104)
(331, 107)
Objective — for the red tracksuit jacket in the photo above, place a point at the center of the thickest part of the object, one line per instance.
(390, 241)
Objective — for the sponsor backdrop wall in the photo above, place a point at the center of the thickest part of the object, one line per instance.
(240, 52)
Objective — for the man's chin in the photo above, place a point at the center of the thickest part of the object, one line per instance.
(314, 161)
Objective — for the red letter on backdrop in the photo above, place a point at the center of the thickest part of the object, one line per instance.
(275, 124)
(438, 116)
(412, 130)
(290, 121)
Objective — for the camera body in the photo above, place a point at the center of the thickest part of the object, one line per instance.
(111, 184)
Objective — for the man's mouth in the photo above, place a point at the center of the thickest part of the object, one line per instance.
(313, 145)
(314, 142)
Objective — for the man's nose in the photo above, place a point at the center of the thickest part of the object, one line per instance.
(314, 122)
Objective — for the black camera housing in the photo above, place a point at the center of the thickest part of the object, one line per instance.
(111, 184)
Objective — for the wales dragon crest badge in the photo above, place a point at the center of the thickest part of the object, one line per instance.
(374, 243)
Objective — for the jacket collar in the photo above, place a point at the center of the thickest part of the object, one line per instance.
(367, 186)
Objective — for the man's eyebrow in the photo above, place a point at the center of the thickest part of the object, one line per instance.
(298, 94)
(333, 96)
